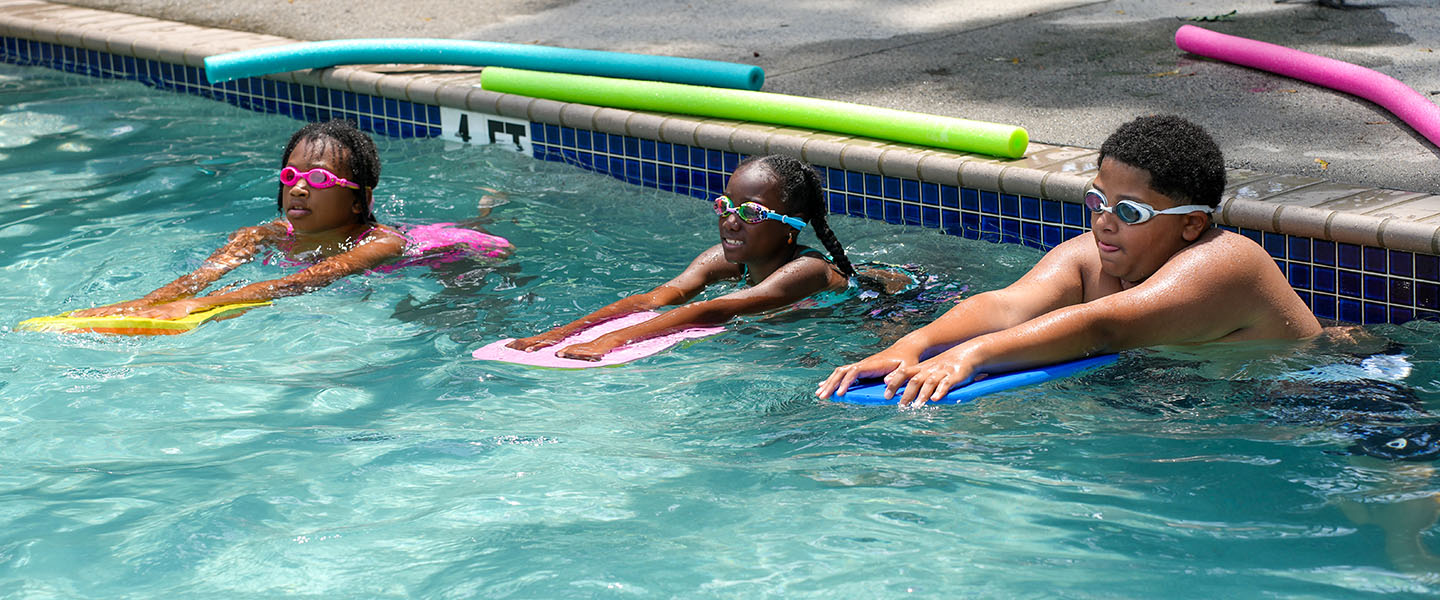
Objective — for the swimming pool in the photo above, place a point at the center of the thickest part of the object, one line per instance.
(344, 444)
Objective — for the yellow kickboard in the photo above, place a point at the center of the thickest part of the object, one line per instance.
(122, 325)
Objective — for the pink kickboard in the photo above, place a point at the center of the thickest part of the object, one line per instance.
(545, 357)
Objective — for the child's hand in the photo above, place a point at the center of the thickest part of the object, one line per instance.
(882, 364)
(591, 351)
(929, 381)
(536, 342)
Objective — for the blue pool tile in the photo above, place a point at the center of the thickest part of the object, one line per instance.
(1376, 288)
(892, 188)
(873, 185)
(1299, 276)
(714, 160)
(601, 142)
(1274, 244)
(1051, 212)
(567, 137)
(854, 182)
(1298, 248)
(616, 167)
(730, 161)
(1402, 291)
(912, 214)
(632, 146)
(1349, 284)
(1009, 205)
(1402, 264)
(682, 179)
(1323, 252)
(910, 190)
(632, 171)
(1349, 310)
(1010, 231)
(1030, 232)
(586, 160)
(1255, 235)
(949, 196)
(1375, 313)
(1029, 208)
(989, 203)
(1071, 232)
(950, 222)
(930, 217)
(874, 208)
(970, 199)
(1427, 267)
(647, 149)
(989, 228)
(855, 205)
(1324, 306)
(1400, 315)
(432, 115)
(649, 175)
(616, 144)
(1075, 215)
(716, 183)
(894, 214)
(1051, 236)
(1348, 256)
(664, 152)
(1375, 259)
(1427, 295)
(834, 179)
(930, 194)
(1324, 279)
(582, 139)
(835, 202)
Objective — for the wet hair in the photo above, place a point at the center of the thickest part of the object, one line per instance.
(804, 195)
(1183, 160)
(354, 146)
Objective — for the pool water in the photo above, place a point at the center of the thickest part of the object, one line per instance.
(344, 444)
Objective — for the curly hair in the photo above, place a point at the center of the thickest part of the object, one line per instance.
(804, 195)
(358, 152)
(1183, 160)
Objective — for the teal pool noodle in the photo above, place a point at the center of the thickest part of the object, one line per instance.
(316, 55)
(747, 105)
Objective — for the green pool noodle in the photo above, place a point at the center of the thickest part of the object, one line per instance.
(743, 105)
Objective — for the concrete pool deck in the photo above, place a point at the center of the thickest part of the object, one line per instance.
(1069, 71)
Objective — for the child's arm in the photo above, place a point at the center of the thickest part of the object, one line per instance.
(241, 248)
(378, 247)
(1052, 283)
(794, 281)
(1223, 289)
(710, 266)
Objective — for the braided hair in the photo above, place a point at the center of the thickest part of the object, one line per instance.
(359, 154)
(803, 195)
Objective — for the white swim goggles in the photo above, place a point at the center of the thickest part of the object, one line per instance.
(1131, 212)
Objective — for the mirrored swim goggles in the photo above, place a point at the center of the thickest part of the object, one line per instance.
(1131, 212)
(317, 177)
(753, 213)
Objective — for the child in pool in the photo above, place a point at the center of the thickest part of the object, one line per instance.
(1153, 271)
(328, 175)
(767, 202)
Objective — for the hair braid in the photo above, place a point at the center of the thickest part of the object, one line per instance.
(804, 194)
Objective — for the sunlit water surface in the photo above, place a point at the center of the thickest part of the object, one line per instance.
(344, 443)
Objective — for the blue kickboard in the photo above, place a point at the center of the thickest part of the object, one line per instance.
(873, 391)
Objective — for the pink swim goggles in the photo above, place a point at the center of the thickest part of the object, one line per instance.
(317, 177)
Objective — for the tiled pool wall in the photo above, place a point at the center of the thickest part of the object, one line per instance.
(1346, 280)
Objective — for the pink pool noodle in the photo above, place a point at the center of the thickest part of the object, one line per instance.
(1412, 107)
(545, 357)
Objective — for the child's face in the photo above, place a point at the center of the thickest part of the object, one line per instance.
(1134, 252)
(754, 242)
(310, 209)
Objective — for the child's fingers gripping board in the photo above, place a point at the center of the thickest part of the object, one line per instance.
(873, 391)
(546, 357)
(123, 325)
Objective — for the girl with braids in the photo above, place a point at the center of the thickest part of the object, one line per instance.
(767, 203)
(328, 173)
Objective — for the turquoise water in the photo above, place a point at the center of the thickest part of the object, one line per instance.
(343, 443)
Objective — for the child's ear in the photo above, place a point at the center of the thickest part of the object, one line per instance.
(1195, 225)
